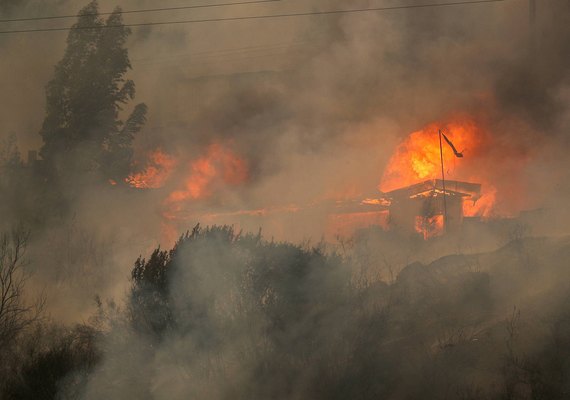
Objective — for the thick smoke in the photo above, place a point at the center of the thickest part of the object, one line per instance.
(315, 93)
(315, 106)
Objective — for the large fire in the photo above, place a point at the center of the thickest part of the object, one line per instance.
(189, 181)
(486, 160)
(219, 166)
(418, 158)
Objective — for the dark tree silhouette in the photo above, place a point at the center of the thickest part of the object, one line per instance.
(59, 369)
(82, 130)
(15, 313)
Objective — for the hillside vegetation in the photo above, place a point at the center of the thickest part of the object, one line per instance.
(231, 315)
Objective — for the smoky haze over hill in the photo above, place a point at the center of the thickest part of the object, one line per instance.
(315, 93)
(314, 107)
(270, 124)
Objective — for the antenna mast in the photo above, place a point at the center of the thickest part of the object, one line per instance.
(443, 183)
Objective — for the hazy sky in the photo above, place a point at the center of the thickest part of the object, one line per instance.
(165, 59)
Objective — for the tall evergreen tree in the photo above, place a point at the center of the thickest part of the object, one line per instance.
(82, 130)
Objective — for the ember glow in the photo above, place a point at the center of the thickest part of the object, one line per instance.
(429, 227)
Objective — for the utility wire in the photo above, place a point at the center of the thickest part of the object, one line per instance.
(253, 17)
(146, 10)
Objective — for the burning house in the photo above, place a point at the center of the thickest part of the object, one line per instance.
(412, 199)
(430, 207)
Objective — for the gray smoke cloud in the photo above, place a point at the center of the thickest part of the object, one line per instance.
(314, 105)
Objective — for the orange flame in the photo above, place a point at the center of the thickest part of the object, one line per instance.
(219, 166)
(159, 168)
(418, 158)
(429, 227)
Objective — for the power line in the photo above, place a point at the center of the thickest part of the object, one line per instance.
(253, 17)
(146, 10)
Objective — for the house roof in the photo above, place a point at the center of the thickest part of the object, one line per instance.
(452, 188)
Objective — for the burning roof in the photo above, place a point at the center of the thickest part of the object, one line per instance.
(429, 187)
